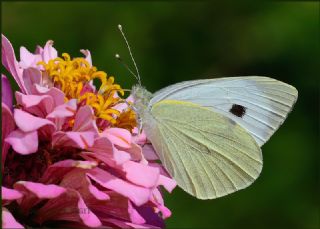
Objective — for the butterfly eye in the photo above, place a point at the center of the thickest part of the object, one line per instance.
(238, 110)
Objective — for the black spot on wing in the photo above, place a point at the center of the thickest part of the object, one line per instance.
(238, 110)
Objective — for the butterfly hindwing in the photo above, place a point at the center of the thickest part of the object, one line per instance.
(208, 154)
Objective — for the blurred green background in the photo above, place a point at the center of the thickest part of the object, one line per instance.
(175, 41)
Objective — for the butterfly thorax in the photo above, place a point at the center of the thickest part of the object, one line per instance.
(142, 99)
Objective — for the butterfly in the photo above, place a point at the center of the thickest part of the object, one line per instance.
(208, 133)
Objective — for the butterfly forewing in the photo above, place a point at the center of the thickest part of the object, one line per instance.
(208, 154)
(258, 104)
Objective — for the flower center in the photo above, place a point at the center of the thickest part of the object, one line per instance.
(75, 78)
(32, 167)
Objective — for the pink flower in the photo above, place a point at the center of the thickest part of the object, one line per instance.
(71, 154)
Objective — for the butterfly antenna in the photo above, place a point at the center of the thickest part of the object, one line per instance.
(134, 62)
(117, 56)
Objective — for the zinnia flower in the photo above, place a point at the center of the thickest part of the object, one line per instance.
(71, 152)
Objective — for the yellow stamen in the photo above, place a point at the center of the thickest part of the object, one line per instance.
(127, 120)
(73, 75)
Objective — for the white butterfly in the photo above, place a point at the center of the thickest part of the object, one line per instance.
(208, 133)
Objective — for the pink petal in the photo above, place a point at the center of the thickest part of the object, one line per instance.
(149, 152)
(42, 191)
(168, 183)
(88, 217)
(40, 89)
(123, 224)
(42, 101)
(135, 217)
(141, 174)
(23, 142)
(130, 99)
(139, 138)
(157, 199)
(6, 91)
(10, 62)
(98, 194)
(28, 59)
(10, 194)
(49, 53)
(8, 125)
(63, 111)
(87, 53)
(57, 171)
(166, 213)
(68, 207)
(85, 120)
(122, 106)
(133, 225)
(8, 221)
(34, 193)
(39, 105)
(165, 180)
(56, 94)
(136, 194)
(120, 156)
(82, 140)
(27, 122)
(118, 136)
(103, 150)
(76, 179)
(7, 120)
(88, 87)
(116, 206)
(39, 50)
(136, 153)
(163, 171)
(31, 77)
(102, 145)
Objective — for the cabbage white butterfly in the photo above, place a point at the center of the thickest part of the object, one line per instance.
(208, 133)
